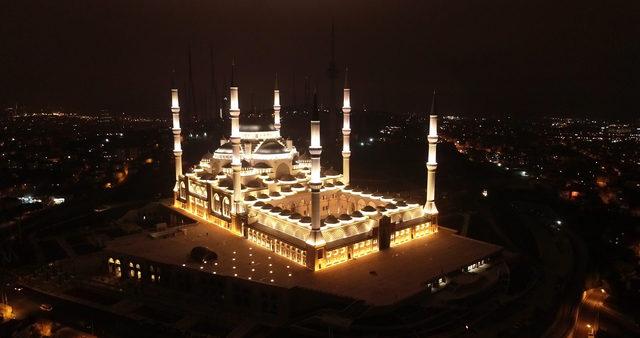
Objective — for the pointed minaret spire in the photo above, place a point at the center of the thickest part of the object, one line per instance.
(233, 71)
(346, 128)
(214, 91)
(236, 164)
(430, 205)
(332, 117)
(346, 78)
(175, 111)
(315, 183)
(276, 105)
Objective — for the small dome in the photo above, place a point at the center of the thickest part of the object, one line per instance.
(225, 183)
(250, 198)
(287, 178)
(207, 176)
(295, 215)
(348, 188)
(267, 206)
(297, 186)
(305, 219)
(285, 213)
(258, 204)
(256, 184)
(263, 196)
(401, 203)
(271, 147)
(276, 210)
(381, 208)
(274, 194)
(344, 217)
(339, 183)
(391, 206)
(285, 189)
(329, 185)
(368, 208)
(331, 220)
(301, 175)
(355, 214)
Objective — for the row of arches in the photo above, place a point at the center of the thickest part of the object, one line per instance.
(135, 271)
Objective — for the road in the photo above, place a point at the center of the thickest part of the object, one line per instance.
(588, 314)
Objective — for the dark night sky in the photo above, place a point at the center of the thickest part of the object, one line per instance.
(504, 56)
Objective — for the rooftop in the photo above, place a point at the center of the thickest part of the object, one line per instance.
(380, 278)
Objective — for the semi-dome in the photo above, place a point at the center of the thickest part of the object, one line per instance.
(226, 148)
(256, 184)
(271, 147)
(262, 165)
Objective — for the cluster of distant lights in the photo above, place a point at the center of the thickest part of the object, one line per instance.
(234, 267)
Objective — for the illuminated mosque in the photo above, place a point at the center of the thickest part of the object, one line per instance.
(259, 186)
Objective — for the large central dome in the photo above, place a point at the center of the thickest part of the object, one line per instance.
(257, 126)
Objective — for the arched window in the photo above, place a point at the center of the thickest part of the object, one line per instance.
(183, 190)
(226, 206)
(216, 203)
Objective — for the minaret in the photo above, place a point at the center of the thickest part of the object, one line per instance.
(315, 149)
(236, 164)
(177, 148)
(346, 128)
(430, 206)
(276, 105)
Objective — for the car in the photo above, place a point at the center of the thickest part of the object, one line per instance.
(46, 307)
